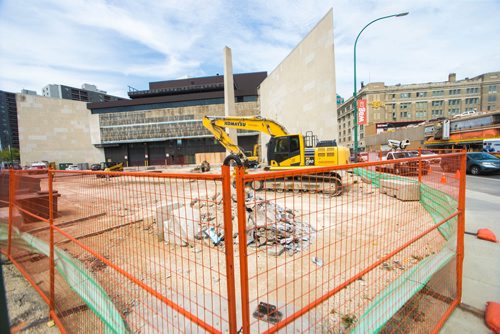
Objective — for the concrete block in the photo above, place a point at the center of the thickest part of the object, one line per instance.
(177, 223)
(402, 190)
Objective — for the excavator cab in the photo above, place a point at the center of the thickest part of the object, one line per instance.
(286, 151)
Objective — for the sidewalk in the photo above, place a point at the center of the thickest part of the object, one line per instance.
(481, 265)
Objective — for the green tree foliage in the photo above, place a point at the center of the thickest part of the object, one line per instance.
(8, 155)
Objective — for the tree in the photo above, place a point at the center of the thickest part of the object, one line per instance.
(9, 155)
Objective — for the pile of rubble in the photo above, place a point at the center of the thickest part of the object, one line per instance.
(269, 225)
(274, 226)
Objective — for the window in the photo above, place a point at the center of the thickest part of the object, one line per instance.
(492, 107)
(473, 100)
(421, 94)
(437, 92)
(473, 90)
(437, 103)
(421, 105)
(454, 102)
(454, 91)
(454, 111)
(492, 89)
(420, 114)
(404, 105)
(404, 95)
(492, 98)
(404, 114)
(294, 144)
(437, 112)
(392, 96)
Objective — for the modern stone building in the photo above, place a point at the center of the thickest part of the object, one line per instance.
(58, 130)
(9, 135)
(163, 123)
(88, 93)
(300, 92)
(401, 105)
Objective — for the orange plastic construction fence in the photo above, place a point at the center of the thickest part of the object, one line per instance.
(374, 246)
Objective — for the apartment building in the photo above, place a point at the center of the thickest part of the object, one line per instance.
(88, 93)
(401, 105)
(9, 133)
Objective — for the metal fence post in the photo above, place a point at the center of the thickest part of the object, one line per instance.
(419, 165)
(51, 241)
(461, 224)
(228, 241)
(242, 244)
(12, 189)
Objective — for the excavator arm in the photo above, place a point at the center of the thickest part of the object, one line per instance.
(217, 125)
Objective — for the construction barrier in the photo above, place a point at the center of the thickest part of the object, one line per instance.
(367, 247)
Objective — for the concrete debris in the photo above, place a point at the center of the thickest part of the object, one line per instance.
(268, 224)
(271, 224)
(317, 261)
(267, 312)
(216, 238)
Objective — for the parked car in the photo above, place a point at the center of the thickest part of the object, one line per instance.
(477, 163)
(429, 156)
(482, 163)
(95, 167)
(73, 167)
(403, 168)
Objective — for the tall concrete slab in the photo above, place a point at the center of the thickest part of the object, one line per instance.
(300, 93)
(56, 130)
(229, 103)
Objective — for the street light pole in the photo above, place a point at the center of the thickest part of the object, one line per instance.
(355, 98)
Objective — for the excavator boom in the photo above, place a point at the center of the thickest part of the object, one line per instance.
(217, 125)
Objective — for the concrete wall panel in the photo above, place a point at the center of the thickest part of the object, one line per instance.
(300, 92)
(56, 130)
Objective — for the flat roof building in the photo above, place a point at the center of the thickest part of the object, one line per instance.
(400, 105)
(163, 124)
(88, 93)
(9, 133)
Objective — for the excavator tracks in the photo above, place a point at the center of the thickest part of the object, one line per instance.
(326, 184)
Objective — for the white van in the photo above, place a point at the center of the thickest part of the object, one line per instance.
(38, 165)
(492, 146)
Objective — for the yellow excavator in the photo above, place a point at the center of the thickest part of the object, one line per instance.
(284, 152)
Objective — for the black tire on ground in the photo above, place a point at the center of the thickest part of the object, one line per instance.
(338, 187)
(474, 170)
(257, 185)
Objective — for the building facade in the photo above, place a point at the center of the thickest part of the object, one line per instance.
(88, 93)
(9, 134)
(401, 105)
(300, 93)
(57, 130)
(163, 124)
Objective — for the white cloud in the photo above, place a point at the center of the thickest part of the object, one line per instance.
(118, 43)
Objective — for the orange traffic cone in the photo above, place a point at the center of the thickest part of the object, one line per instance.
(457, 174)
(443, 179)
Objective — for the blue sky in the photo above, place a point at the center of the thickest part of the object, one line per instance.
(114, 44)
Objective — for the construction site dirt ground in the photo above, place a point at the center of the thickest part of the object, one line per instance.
(351, 231)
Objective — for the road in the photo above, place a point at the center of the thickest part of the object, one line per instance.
(488, 184)
(481, 266)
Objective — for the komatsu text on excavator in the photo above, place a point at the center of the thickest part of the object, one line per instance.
(284, 151)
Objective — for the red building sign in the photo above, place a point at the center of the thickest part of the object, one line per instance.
(362, 112)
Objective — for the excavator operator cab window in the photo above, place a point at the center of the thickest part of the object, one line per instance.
(287, 145)
(283, 148)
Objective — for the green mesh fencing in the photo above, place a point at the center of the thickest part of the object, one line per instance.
(76, 275)
(391, 299)
(440, 206)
